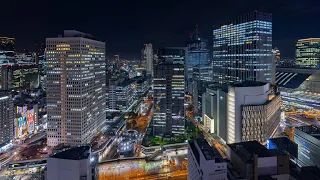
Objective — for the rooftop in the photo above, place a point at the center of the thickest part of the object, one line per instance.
(249, 84)
(127, 82)
(290, 79)
(76, 153)
(210, 153)
(309, 39)
(313, 131)
(246, 150)
(282, 140)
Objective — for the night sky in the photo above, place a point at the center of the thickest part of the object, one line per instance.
(125, 25)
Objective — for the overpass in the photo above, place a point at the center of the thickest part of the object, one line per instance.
(28, 163)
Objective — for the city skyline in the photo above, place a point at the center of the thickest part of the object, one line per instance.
(114, 22)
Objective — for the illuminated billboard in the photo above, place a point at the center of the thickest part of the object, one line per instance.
(24, 121)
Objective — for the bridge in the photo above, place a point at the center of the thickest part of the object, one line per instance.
(28, 163)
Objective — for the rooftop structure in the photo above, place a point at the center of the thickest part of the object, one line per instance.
(204, 161)
(76, 153)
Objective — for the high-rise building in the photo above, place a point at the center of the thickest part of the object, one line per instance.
(19, 76)
(308, 52)
(214, 114)
(201, 78)
(76, 88)
(308, 140)
(6, 118)
(205, 162)
(121, 94)
(242, 50)
(253, 112)
(198, 54)
(6, 50)
(168, 86)
(147, 55)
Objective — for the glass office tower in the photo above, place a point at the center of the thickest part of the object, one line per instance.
(168, 85)
(242, 50)
(198, 54)
(308, 52)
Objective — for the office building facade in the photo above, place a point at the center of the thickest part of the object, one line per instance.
(168, 87)
(308, 53)
(214, 114)
(205, 162)
(198, 54)
(76, 88)
(253, 112)
(147, 55)
(6, 118)
(242, 50)
(19, 76)
(308, 140)
(6, 50)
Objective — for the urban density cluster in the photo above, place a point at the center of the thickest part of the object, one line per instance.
(234, 109)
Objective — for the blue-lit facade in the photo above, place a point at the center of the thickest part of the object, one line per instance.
(168, 86)
(198, 54)
(242, 50)
(308, 140)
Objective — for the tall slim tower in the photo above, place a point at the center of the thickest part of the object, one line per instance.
(242, 50)
(148, 57)
(76, 87)
(168, 88)
(6, 118)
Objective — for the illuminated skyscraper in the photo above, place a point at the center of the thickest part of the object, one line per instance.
(6, 119)
(6, 50)
(242, 50)
(169, 92)
(147, 55)
(308, 52)
(76, 88)
(198, 54)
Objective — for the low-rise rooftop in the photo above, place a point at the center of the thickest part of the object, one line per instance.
(313, 131)
(246, 150)
(248, 84)
(76, 153)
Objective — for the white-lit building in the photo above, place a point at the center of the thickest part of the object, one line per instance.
(253, 112)
(214, 111)
(6, 119)
(76, 88)
(205, 162)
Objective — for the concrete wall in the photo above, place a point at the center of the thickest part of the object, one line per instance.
(256, 95)
(63, 169)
